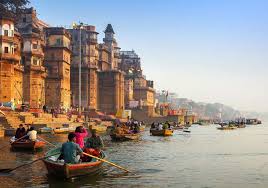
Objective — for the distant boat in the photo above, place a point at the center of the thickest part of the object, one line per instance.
(45, 130)
(124, 137)
(227, 128)
(163, 132)
(98, 128)
(26, 144)
(63, 130)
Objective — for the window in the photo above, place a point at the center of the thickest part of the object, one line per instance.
(6, 32)
(34, 46)
(6, 49)
(24, 20)
(35, 62)
(58, 42)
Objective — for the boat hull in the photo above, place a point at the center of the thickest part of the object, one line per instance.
(98, 128)
(164, 132)
(63, 170)
(28, 145)
(226, 128)
(124, 137)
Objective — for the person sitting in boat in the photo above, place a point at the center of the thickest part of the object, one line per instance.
(70, 151)
(153, 126)
(160, 126)
(80, 134)
(94, 144)
(136, 128)
(28, 128)
(32, 134)
(20, 132)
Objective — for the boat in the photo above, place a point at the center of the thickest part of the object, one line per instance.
(164, 132)
(125, 137)
(98, 128)
(178, 127)
(227, 128)
(26, 144)
(45, 130)
(60, 169)
(241, 126)
(142, 127)
(63, 130)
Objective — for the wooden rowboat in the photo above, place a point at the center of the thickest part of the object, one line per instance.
(124, 137)
(63, 170)
(26, 144)
(142, 127)
(226, 128)
(241, 126)
(98, 128)
(63, 130)
(45, 130)
(164, 132)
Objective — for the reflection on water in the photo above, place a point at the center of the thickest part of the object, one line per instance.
(206, 157)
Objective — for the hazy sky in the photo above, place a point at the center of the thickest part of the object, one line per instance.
(206, 50)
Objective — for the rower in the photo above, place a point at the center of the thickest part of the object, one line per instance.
(93, 146)
(20, 132)
(70, 151)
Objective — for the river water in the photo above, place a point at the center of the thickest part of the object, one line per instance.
(205, 158)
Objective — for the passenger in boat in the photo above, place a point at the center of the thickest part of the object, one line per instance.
(160, 126)
(28, 128)
(80, 134)
(70, 151)
(32, 134)
(93, 146)
(20, 132)
(153, 126)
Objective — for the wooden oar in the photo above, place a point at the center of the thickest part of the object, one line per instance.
(103, 160)
(13, 142)
(10, 170)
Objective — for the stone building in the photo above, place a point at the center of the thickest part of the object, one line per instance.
(31, 30)
(89, 66)
(142, 90)
(57, 63)
(11, 70)
(110, 77)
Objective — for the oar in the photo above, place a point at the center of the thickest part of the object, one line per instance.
(103, 160)
(10, 170)
(13, 142)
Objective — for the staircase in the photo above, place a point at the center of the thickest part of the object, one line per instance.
(11, 120)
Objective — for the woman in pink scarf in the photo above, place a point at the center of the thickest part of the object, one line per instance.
(80, 134)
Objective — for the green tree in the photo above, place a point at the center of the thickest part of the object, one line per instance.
(12, 8)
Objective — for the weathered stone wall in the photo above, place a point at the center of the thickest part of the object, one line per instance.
(111, 91)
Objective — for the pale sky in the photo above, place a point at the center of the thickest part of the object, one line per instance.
(205, 50)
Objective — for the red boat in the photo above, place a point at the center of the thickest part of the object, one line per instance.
(27, 144)
(65, 170)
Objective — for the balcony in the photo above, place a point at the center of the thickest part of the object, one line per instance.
(38, 53)
(6, 38)
(38, 68)
(10, 57)
(19, 67)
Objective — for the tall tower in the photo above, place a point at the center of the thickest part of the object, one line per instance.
(111, 43)
(57, 62)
